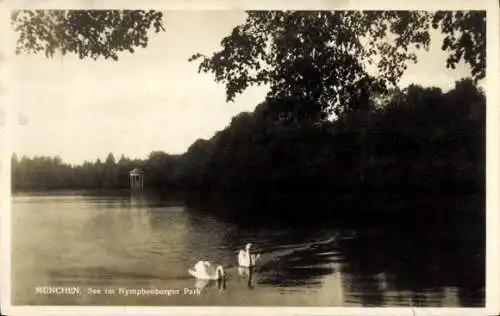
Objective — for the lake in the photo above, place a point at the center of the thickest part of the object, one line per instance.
(115, 243)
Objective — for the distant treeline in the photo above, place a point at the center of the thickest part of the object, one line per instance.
(414, 140)
(51, 173)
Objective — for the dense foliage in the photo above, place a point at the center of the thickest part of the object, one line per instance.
(419, 139)
(266, 39)
(50, 173)
(422, 139)
(326, 59)
(316, 63)
(86, 33)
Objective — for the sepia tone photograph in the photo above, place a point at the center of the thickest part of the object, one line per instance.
(248, 157)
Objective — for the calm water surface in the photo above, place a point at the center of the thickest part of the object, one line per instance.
(133, 242)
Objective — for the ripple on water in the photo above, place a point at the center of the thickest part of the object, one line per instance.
(103, 242)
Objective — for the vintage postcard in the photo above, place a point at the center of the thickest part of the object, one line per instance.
(246, 157)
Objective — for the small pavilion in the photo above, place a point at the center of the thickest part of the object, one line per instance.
(137, 178)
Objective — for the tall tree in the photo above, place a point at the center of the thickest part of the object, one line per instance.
(321, 58)
(105, 33)
(110, 159)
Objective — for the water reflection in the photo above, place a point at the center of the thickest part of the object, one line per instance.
(221, 284)
(246, 274)
(398, 261)
(415, 267)
(138, 240)
(201, 285)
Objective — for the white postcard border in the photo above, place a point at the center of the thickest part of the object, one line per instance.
(492, 141)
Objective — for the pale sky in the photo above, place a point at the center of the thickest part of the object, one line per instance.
(153, 99)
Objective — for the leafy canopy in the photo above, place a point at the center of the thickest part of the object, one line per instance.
(86, 33)
(465, 39)
(317, 62)
(325, 60)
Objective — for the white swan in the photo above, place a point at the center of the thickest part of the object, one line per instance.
(203, 270)
(246, 258)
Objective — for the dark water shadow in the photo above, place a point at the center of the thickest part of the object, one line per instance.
(387, 245)
(419, 244)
